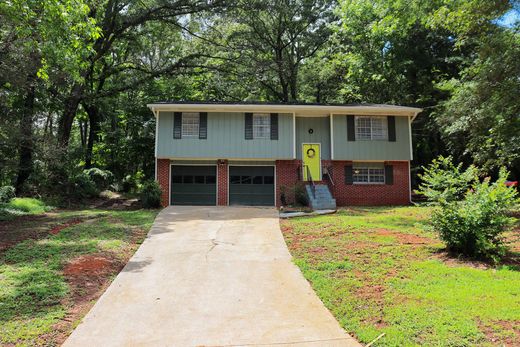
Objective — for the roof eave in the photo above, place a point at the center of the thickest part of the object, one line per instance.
(299, 109)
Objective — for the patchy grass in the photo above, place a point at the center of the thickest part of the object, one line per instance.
(53, 267)
(22, 206)
(379, 270)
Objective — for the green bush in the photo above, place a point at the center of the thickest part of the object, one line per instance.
(133, 183)
(295, 194)
(6, 194)
(300, 195)
(151, 195)
(81, 186)
(101, 178)
(474, 226)
(442, 181)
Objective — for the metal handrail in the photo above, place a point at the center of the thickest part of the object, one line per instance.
(329, 175)
(309, 178)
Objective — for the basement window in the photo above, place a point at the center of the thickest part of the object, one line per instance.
(368, 175)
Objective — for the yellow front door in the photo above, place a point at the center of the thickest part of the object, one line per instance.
(311, 161)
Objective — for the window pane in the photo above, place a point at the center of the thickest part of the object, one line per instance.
(376, 175)
(190, 124)
(199, 179)
(268, 180)
(245, 179)
(379, 128)
(360, 175)
(177, 179)
(187, 179)
(211, 179)
(261, 126)
(257, 180)
(363, 128)
(235, 179)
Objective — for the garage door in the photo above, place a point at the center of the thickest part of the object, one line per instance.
(251, 185)
(193, 185)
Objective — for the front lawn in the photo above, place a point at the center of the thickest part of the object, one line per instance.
(54, 266)
(379, 271)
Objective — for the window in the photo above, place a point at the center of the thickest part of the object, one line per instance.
(190, 124)
(363, 175)
(371, 128)
(261, 126)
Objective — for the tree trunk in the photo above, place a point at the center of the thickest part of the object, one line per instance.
(69, 113)
(25, 166)
(93, 118)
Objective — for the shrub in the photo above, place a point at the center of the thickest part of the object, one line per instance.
(132, 183)
(151, 194)
(442, 181)
(101, 178)
(6, 194)
(474, 227)
(300, 194)
(81, 186)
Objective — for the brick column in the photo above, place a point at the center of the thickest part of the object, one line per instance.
(163, 178)
(223, 181)
(286, 176)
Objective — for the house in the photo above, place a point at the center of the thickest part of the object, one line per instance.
(255, 153)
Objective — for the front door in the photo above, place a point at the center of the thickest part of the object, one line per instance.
(311, 161)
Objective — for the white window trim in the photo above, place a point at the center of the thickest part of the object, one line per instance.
(385, 128)
(267, 135)
(354, 168)
(194, 115)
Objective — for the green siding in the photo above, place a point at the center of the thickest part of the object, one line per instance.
(371, 150)
(320, 134)
(225, 139)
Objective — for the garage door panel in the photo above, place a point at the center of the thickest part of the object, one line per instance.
(251, 185)
(193, 185)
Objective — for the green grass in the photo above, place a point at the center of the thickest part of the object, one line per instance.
(379, 270)
(22, 206)
(34, 292)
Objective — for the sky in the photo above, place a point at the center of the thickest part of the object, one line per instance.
(509, 19)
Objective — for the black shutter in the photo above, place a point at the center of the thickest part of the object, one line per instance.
(274, 126)
(177, 125)
(349, 175)
(389, 174)
(203, 125)
(351, 129)
(391, 128)
(249, 126)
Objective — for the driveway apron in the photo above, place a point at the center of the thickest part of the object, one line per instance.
(211, 276)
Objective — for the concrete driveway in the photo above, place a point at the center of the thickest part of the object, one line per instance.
(211, 276)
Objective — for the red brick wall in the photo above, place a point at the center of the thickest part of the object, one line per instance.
(163, 178)
(222, 184)
(376, 194)
(286, 175)
(395, 194)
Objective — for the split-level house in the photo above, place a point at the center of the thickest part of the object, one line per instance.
(256, 153)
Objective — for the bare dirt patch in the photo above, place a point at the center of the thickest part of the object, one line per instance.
(88, 277)
(509, 338)
(55, 230)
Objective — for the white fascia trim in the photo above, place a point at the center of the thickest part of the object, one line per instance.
(389, 110)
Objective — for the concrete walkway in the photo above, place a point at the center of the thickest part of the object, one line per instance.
(211, 276)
